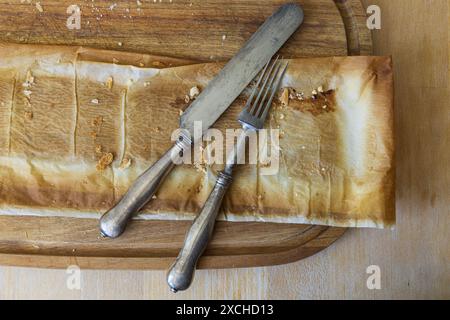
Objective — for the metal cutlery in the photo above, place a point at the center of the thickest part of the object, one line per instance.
(207, 108)
(252, 118)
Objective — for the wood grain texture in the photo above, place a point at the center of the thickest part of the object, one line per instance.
(58, 242)
(414, 258)
(190, 29)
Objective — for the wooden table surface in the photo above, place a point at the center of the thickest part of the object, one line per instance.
(414, 259)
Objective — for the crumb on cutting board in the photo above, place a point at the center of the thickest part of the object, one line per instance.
(157, 64)
(28, 115)
(29, 80)
(39, 7)
(109, 82)
(27, 93)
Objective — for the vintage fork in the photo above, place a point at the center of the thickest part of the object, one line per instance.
(252, 118)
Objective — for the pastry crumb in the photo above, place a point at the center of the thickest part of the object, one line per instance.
(202, 163)
(28, 115)
(187, 99)
(114, 60)
(94, 101)
(194, 92)
(180, 111)
(29, 80)
(284, 99)
(104, 161)
(98, 121)
(126, 163)
(27, 102)
(27, 93)
(39, 7)
(300, 96)
(109, 82)
(98, 148)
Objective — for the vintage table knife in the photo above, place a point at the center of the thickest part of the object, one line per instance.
(207, 108)
(252, 118)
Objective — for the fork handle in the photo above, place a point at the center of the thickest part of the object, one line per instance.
(114, 221)
(181, 273)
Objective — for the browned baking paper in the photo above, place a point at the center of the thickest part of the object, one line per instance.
(66, 110)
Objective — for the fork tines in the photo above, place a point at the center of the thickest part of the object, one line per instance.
(256, 109)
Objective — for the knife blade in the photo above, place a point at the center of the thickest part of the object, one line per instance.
(207, 108)
(242, 68)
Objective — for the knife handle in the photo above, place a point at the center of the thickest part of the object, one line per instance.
(181, 273)
(114, 221)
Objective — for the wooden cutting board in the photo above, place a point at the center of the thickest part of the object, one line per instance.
(195, 30)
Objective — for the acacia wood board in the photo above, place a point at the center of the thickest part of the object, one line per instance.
(195, 30)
